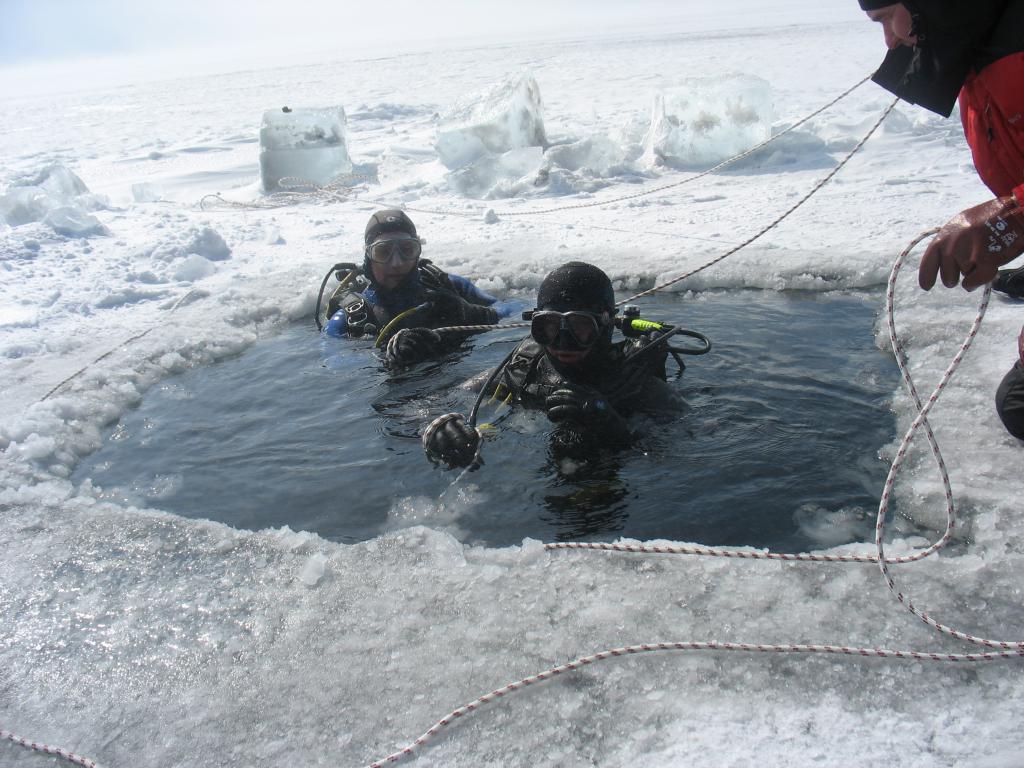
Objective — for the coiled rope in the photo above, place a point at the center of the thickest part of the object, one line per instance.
(291, 191)
(1002, 649)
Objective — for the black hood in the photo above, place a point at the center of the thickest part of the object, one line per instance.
(954, 37)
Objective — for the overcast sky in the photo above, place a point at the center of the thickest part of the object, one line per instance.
(67, 44)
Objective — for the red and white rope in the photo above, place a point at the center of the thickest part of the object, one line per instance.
(45, 749)
(691, 645)
(1004, 649)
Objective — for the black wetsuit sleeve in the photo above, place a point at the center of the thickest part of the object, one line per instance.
(1010, 401)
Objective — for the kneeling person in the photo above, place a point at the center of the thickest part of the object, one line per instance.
(395, 279)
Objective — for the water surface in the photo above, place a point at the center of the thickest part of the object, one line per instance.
(776, 445)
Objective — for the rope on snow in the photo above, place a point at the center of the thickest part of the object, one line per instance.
(1001, 649)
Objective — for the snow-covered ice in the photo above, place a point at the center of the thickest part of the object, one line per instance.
(141, 638)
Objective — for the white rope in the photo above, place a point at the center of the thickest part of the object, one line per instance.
(1003, 649)
(290, 192)
(45, 749)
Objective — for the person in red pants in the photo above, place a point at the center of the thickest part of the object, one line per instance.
(940, 50)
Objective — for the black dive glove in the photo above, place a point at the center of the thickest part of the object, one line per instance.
(412, 345)
(587, 409)
(451, 309)
(449, 440)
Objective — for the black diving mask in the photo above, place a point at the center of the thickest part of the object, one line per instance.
(383, 251)
(574, 330)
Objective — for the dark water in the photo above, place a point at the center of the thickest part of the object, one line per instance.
(777, 443)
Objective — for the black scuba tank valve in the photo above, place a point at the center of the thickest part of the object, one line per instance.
(632, 326)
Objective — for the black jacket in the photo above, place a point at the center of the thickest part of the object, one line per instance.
(1010, 401)
(954, 38)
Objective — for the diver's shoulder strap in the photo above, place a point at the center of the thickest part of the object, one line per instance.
(361, 317)
(350, 280)
(520, 373)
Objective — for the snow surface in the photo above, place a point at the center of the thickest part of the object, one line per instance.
(145, 639)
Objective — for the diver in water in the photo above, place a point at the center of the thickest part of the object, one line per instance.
(570, 368)
(395, 279)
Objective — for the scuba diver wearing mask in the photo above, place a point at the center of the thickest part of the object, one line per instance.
(394, 280)
(570, 368)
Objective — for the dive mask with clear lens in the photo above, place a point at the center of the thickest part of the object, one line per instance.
(405, 249)
(566, 330)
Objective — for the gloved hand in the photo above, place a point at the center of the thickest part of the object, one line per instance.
(589, 409)
(449, 308)
(975, 243)
(412, 345)
(449, 440)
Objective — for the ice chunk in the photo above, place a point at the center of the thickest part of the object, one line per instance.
(307, 145)
(595, 155)
(70, 221)
(207, 242)
(508, 116)
(501, 175)
(57, 197)
(707, 120)
(313, 570)
(60, 182)
(23, 205)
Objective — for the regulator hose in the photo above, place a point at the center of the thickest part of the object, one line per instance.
(341, 284)
(385, 333)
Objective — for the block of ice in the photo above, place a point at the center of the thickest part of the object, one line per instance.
(72, 221)
(506, 117)
(306, 144)
(60, 182)
(23, 205)
(707, 120)
(503, 175)
(57, 197)
(595, 155)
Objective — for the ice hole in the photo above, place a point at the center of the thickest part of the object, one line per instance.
(778, 444)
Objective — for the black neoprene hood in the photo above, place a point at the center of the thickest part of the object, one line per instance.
(383, 222)
(577, 286)
(874, 5)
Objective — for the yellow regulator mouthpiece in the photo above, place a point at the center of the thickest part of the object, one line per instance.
(644, 325)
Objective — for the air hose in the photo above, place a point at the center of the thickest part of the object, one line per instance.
(352, 273)
(385, 333)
